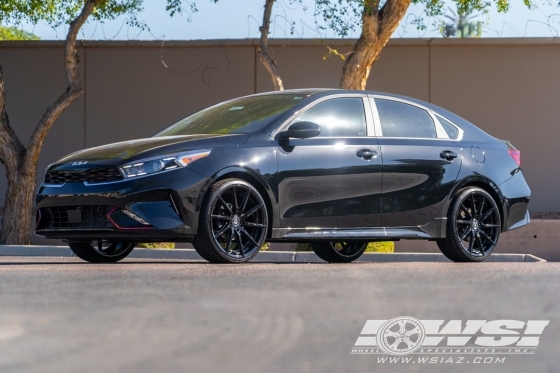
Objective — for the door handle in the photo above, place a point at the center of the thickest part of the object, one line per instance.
(366, 153)
(449, 155)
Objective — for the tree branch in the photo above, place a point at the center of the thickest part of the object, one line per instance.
(73, 91)
(10, 145)
(262, 50)
(390, 16)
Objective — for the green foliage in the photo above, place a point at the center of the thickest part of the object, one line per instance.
(14, 33)
(380, 247)
(265, 247)
(157, 245)
(58, 12)
(302, 247)
(345, 16)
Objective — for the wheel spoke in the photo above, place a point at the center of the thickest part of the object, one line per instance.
(402, 326)
(249, 236)
(228, 244)
(225, 204)
(244, 203)
(235, 207)
(486, 214)
(396, 343)
(222, 230)
(473, 206)
(482, 205)
(466, 210)
(490, 225)
(416, 330)
(221, 217)
(488, 238)
(390, 333)
(251, 212)
(471, 242)
(249, 224)
(408, 342)
(463, 222)
(467, 231)
(480, 243)
(240, 244)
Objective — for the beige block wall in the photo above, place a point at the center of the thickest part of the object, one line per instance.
(508, 87)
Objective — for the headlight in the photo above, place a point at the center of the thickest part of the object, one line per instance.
(161, 164)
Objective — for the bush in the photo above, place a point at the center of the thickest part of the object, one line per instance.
(302, 247)
(380, 247)
(157, 245)
(265, 247)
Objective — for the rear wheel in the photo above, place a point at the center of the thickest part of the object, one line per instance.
(473, 226)
(233, 223)
(101, 251)
(339, 251)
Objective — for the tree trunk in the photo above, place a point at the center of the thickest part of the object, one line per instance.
(268, 63)
(377, 27)
(21, 163)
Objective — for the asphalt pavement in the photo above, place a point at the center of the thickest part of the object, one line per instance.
(64, 315)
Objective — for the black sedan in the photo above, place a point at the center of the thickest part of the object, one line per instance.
(333, 168)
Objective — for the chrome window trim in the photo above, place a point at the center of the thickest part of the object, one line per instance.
(288, 121)
(377, 121)
(370, 132)
(440, 131)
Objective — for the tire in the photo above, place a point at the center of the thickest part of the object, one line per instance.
(110, 252)
(473, 226)
(233, 223)
(338, 251)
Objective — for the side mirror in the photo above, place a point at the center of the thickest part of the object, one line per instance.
(301, 130)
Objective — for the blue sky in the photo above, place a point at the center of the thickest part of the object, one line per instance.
(230, 20)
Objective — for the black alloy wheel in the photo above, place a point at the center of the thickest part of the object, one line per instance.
(473, 226)
(233, 223)
(102, 251)
(339, 251)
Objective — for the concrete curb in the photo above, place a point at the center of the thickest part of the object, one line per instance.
(265, 256)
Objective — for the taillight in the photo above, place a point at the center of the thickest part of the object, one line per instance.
(516, 155)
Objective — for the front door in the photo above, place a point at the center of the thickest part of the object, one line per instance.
(332, 180)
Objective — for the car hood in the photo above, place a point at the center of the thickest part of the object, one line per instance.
(153, 146)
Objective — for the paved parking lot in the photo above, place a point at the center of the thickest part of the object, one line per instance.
(63, 315)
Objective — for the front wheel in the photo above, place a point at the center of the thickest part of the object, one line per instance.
(233, 223)
(473, 226)
(101, 251)
(339, 251)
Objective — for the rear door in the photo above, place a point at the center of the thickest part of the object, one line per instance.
(332, 180)
(420, 162)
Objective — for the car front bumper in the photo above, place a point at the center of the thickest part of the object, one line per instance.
(152, 208)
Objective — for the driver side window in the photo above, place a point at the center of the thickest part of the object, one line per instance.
(338, 117)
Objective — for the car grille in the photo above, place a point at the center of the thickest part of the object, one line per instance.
(90, 217)
(91, 175)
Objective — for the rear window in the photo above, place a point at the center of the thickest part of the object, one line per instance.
(399, 119)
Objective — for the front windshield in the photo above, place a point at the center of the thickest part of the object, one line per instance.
(241, 115)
